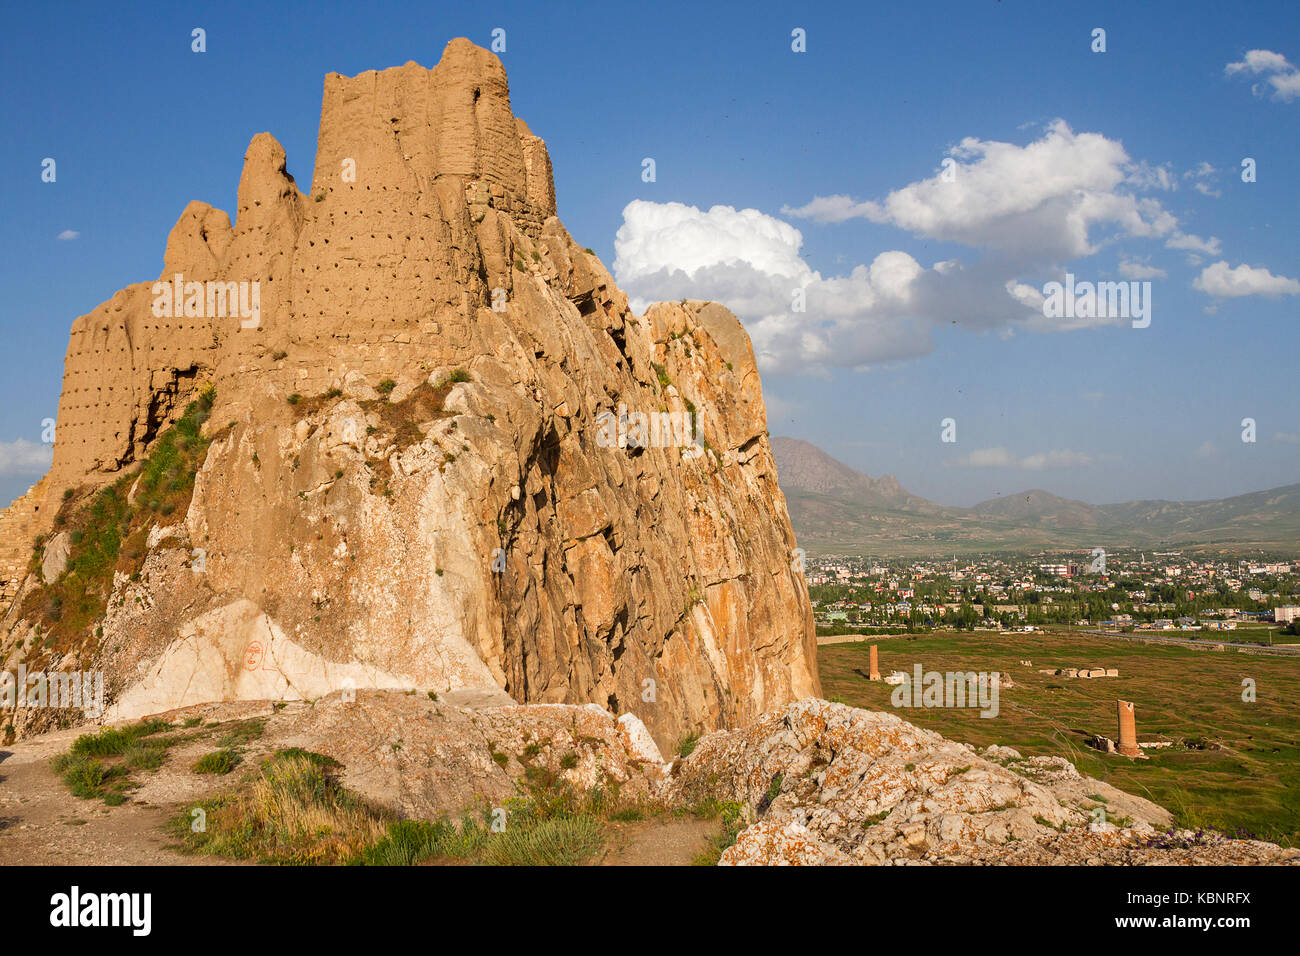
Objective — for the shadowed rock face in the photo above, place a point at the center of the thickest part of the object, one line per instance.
(440, 509)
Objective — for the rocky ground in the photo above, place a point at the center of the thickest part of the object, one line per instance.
(407, 752)
(820, 784)
(42, 824)
(828, 784)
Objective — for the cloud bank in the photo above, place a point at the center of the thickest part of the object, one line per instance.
(1026, 211)
(23, 457)
(1000, 457)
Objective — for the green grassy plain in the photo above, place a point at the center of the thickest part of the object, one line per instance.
(1237, 764)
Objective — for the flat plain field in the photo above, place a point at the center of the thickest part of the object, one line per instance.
(1234, 766)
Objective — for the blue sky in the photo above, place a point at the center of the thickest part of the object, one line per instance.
(1108, 165)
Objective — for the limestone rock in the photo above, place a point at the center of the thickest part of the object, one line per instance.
(1000, 754)
(637, 741)
(776, 843)
(55, 557)
(833, 784)
(425, 758)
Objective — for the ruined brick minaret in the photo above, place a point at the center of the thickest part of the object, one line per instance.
(875, 663)
(1127, 729)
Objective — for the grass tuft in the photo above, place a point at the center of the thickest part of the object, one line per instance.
(686, 746)
(218, 761)
(292, 812)
(730, 815)
(114, 741)
(563, 841)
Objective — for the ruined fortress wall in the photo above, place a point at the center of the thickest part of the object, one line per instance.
(20, 523)
(409, 163)
(389, 259)
(125, 371)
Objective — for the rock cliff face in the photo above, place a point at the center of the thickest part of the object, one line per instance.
(409, 481)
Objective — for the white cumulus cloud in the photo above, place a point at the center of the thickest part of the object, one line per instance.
(1028, 210)
(1202, 179)
(1278, 74)
(751, 262)
(1190, 243)
(1043, 199)
(69, 234)
(1223, 282)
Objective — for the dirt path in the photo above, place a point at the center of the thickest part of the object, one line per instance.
(657, 842)
(42, 824)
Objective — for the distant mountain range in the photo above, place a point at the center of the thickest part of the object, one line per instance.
(836, 509)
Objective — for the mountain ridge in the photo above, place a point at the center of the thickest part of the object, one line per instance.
(853, 512)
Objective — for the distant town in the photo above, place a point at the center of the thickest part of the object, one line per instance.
(1129, 592)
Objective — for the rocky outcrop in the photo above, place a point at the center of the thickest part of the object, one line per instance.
(426, 759)
(409, 482)
(827, 784)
